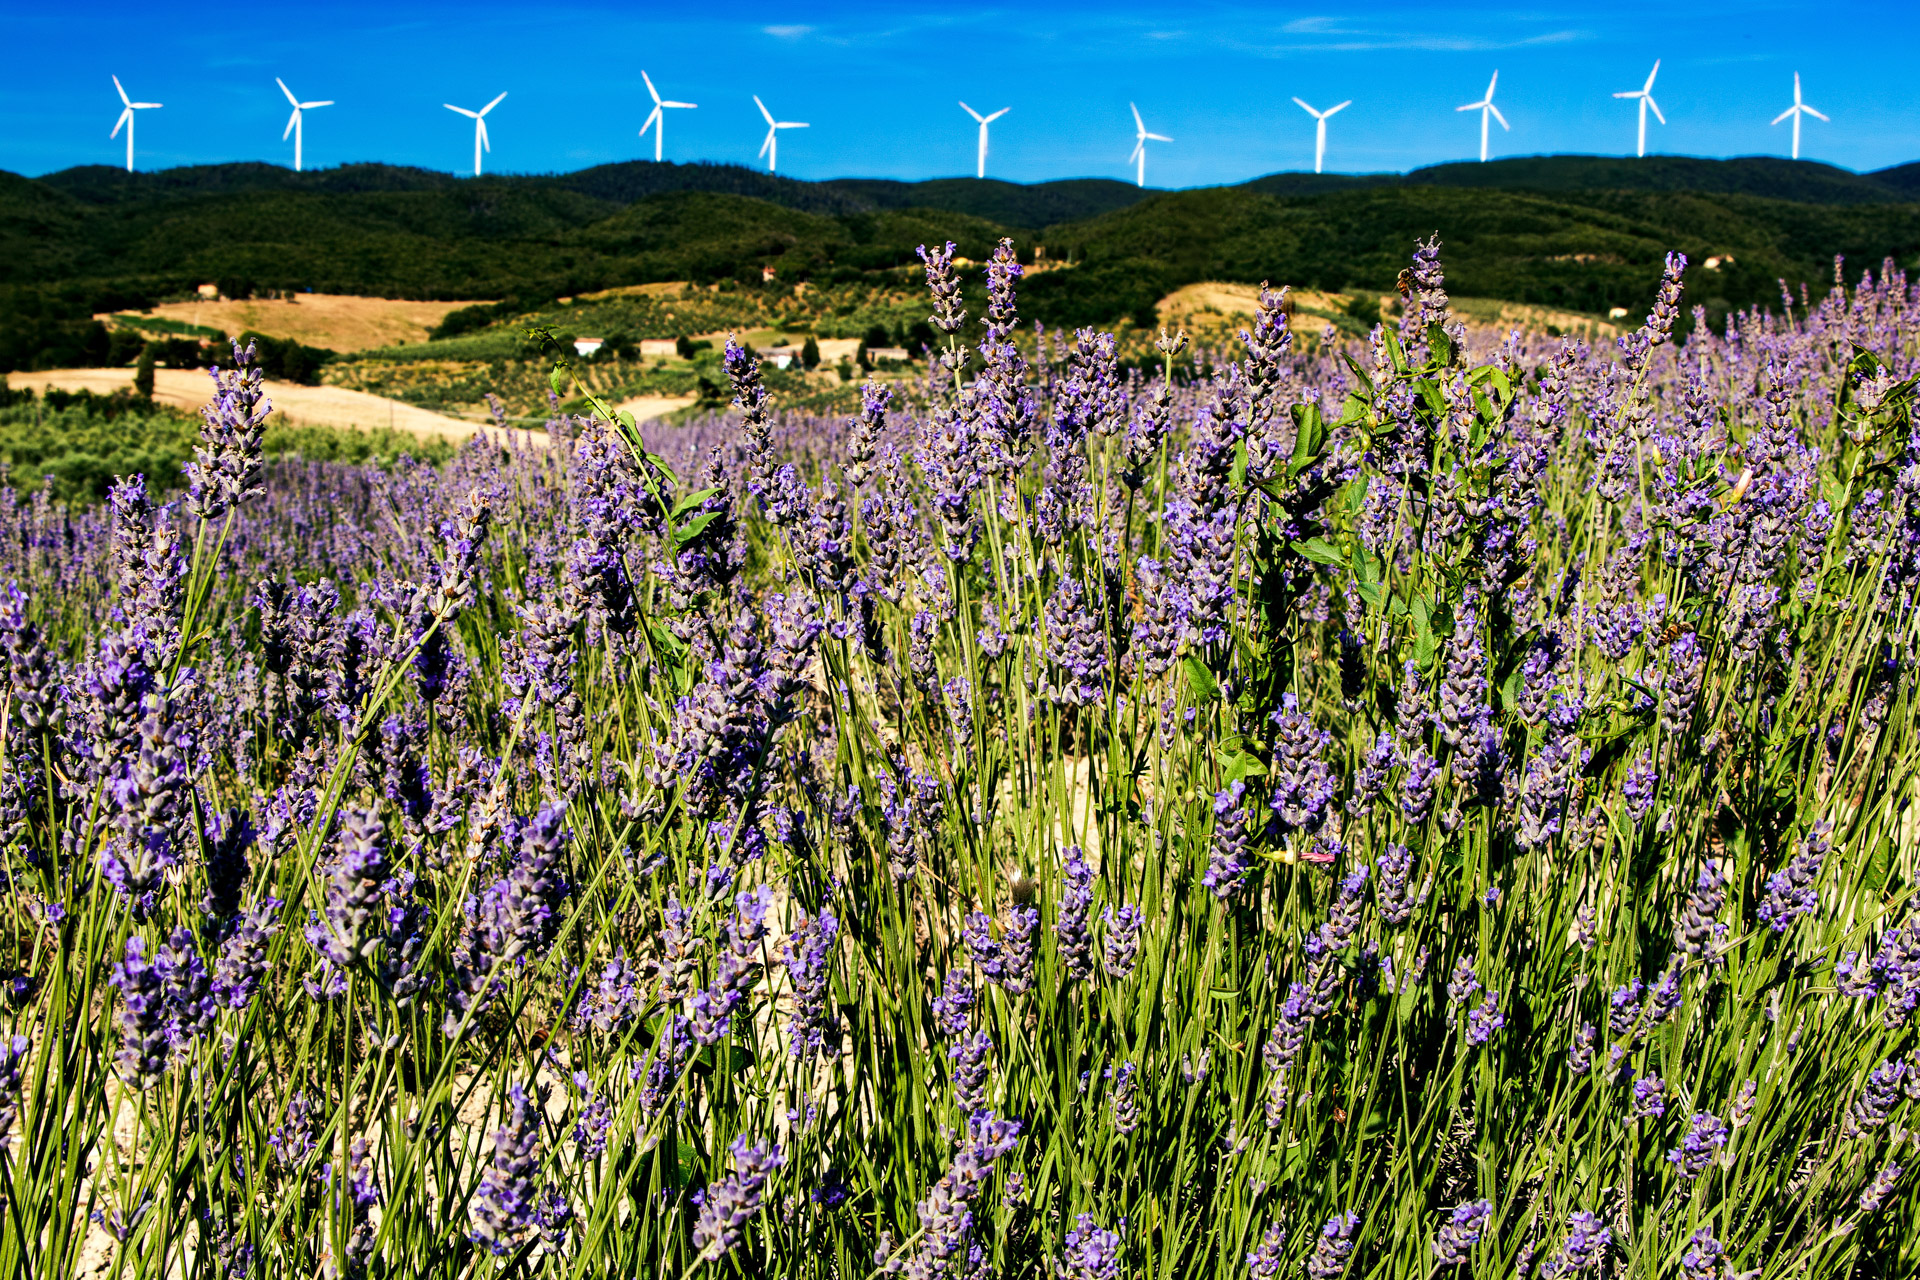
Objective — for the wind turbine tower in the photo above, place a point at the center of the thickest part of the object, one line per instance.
(1320, 130)
(293, 125)
(1140, 140)
(981, 172)
(1797, 110)
(771, 147)
(658, 120)
(128, 107)
(1645, 94)
(479, 119)
(1486, 108)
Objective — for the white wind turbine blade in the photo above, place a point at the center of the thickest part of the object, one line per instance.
(1139, 125)
(292, 120)
(1471, 106)
(1497, 116)
(1650, 75)
(688, 105)
(1783, 115)
(122, 91)
(283, 88)
(308, 106)
(1342, 107)
(1157, 137)
(975, 114)
(491, 105)
(1491, 84)
(651, 91)
(471, 115)
(763, 109)
(484, 140)
(1309, 110)
(996, 115)
(1655, 108)
(1796, 88)
(1815, 114)
(126, 119)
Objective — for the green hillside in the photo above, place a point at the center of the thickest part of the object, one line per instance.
(1579, 232)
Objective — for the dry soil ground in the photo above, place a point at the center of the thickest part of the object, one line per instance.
(334, 321)
(304, 406)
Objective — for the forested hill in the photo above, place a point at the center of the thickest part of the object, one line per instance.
(1581, 232)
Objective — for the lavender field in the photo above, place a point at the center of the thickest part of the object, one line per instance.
(1439, 804)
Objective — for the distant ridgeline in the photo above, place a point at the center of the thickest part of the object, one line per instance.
(1582, 233)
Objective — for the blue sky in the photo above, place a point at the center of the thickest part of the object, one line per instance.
(879, 84)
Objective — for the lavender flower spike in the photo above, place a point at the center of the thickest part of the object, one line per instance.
(1329, 1260)
(1454, 1244)
(732, 1201)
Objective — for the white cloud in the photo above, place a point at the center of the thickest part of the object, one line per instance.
(791, 32)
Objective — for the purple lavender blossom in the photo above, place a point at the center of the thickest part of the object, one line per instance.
(1877, 1191)
(1091, 1253)
(1705, 1138)
(732, 1201)
(1697, 930)
(507, 1209)
(1329, 1260)
(1303, 784)
(13, 1067)
(1790, 890)
(1702, 1260)
(1585, 1246)
(972, 1055)
(952, 1007)
(1649, 1098)
(1073, 928)
(1265, 1259)
(225, 470)
(1640, 787)
(1580, 1051)
(1121, 946)
(1123, 1102)
(1454, 1243)
(1229, 859)
(1392, 885)
(1417, 786)
(1485, 1019)
(146, 1045)
(814, 1030)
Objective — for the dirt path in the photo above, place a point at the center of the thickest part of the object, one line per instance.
(302, 406)
(644, 408)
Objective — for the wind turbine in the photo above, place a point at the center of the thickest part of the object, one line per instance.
(1797, 110)
(1140, 140)
(658, 120)
(771, 147)
(1320, 130)
(126, 118)
(984, 122)
(293, 125)
(1646, 100)
(479, 119)
(1485, 107)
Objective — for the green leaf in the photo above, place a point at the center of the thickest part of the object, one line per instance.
(1310, 436)
(693, 500)
(1439, 343)
(1318, 550)
(1372, 592)
(687, 532)
(1510, 690)
(1200, 680)
(626, 419)
(558, 379)
(1240, 765)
